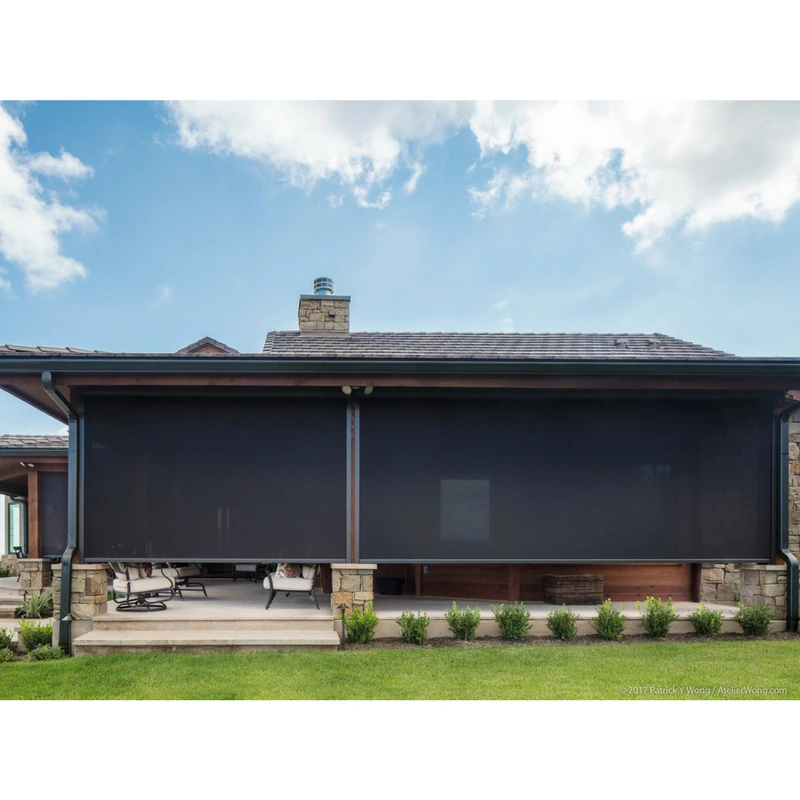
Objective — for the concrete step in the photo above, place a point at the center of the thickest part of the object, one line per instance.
(110, 642)
(154, 621)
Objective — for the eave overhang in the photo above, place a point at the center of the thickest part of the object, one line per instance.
(16, 372)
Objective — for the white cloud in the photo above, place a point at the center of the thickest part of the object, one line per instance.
(506, 325)
(417, 170)
(31, 218)
(164, 292)
(5, 286)
(691, 164)
(359, 144)
(500, 304)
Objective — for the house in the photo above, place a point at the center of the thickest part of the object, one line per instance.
(33, 494)
(469, 464)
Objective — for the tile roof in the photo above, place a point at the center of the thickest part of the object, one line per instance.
(208, 341)
(22, 350)
(13, 441)
(490, 346)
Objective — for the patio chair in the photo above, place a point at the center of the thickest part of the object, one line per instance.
(278, 581)
(183, 576)
(142, 593)
(250, 571)
(19, 553)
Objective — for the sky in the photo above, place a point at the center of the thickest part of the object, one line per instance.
(143, 226)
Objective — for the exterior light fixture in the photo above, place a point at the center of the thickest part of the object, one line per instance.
(347, 389)
(368, 390)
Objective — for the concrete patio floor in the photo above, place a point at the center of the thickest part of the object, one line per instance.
(243, 605)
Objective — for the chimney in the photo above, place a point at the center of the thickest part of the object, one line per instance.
(324, 311)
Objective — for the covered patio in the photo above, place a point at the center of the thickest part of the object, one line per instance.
(234, 617)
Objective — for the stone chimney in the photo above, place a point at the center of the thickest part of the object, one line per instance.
(324, 311)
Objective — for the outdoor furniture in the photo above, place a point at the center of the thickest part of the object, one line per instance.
(142, 593)
(577, 589)
(19, 553)
(248, 570)
(278, 581)
(183, 575)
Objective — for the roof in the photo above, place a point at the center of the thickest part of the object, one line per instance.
(14, 441)
(23, 350)
(208, 346)
(488, 346)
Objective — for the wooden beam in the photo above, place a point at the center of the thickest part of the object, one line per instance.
(12, 471)
(418, 580)
(34, 533)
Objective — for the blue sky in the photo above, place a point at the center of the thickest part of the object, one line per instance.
(143, 226)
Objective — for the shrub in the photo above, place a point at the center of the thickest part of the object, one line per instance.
(360, 625)
(7, 655)
(33, 634)
(463, 624)
(610, 623)
(6, 572)
(657, 616)
(5, 639)
(414, 628)
(46, 652)
(561, 622)
(706, 622)
(755, 620)
(514, 621)
(37, 606)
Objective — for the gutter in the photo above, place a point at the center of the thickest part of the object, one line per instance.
(259, 364)
(65, 623)
(792, 572)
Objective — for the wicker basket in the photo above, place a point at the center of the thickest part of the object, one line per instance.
(578, 589)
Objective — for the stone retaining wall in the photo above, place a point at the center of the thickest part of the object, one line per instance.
(11, 561)
(765, 584)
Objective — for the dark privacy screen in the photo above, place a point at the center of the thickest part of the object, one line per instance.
(215, 479)
(53, 513)
(564, 480)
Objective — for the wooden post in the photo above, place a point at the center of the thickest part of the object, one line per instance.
(34, 536)
(418, 580)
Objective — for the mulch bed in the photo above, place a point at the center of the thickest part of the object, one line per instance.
(580, 641)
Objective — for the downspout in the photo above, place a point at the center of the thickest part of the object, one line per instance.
(65, 623)
(782, 440)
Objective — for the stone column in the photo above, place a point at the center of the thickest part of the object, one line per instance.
(35, 574)
(765, 584)
(10, 561)
(720, 583)
(88, 598)
(351, 587)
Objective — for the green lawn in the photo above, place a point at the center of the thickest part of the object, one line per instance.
(504, 673)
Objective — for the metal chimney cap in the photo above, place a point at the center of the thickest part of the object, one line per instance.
(323, 286)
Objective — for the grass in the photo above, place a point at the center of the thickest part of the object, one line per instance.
(480, 673)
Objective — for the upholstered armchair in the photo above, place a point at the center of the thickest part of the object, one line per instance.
(292, 578)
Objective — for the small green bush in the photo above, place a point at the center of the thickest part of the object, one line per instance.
(755, 620)
(38, 606)
(46, 652)
(6, 639)
(463, 624)
(514, 621)
(33, 634)
(6, 572)
(706, 622)
(657, 616)
(360, 625)
(7, 655)
(414, 628)
(610, 623)
(561, 622)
